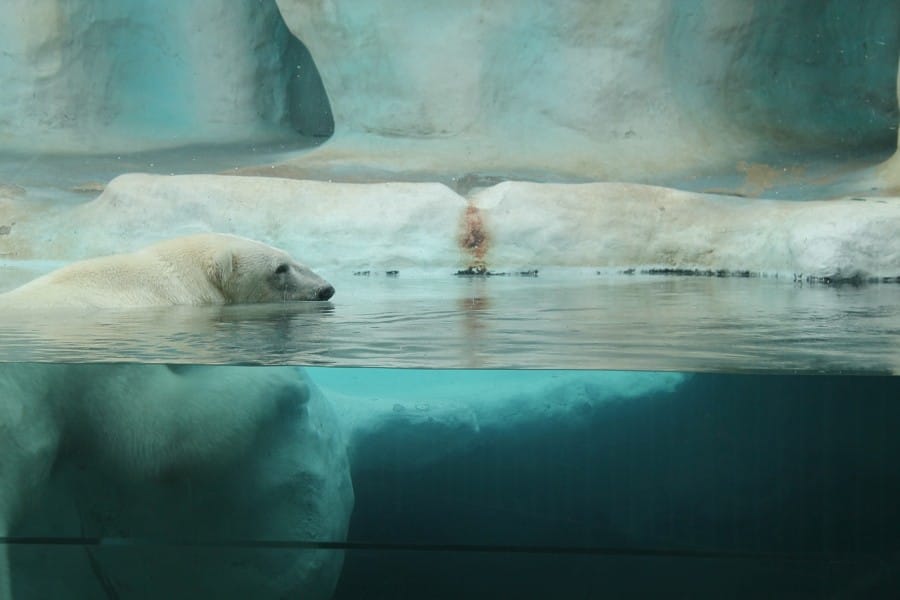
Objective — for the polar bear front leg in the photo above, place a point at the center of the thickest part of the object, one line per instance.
(5, 578)
(29, 440)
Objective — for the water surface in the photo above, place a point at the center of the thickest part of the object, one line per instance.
(558, 320)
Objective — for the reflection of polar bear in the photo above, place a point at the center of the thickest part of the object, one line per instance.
(191, 453)
(206, 268)
(194, 453)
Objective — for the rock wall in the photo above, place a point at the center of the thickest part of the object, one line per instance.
(601, 90)
(85, 75)
(577, 90)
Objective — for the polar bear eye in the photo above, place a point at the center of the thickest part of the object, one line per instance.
(282, 268)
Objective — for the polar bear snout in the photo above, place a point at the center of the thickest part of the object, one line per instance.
(298, 282)
(325, 292)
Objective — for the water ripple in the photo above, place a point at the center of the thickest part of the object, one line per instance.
(566, 322)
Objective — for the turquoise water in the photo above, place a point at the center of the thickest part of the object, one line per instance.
(739, 486)
(511, 483)
(567, 435)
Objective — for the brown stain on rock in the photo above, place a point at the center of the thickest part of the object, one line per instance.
(759, 177)
(474, 239)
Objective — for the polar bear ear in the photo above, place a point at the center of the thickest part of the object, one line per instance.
(221, 267)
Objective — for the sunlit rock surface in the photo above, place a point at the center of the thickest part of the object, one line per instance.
(620, 225)
(322, 223)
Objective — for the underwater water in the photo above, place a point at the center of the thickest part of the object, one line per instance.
(513, 483)
(739, 486)
(568, 435)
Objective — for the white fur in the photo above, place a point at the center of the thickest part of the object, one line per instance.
(193, 452)
(208, 268)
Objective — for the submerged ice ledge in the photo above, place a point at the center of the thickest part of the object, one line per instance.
(611, 227)
(435, 414)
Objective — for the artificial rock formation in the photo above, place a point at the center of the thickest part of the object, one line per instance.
(84, 76)
(513, 89)
(347, 226)
(598, 90)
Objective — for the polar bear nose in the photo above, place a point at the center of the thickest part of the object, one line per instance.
(325, 292)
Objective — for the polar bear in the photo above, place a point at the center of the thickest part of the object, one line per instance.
(202, 454)
(207, 455)
(206, 268)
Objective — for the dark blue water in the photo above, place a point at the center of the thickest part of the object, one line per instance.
(737, 486)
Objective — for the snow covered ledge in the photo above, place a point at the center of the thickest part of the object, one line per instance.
(513, 225)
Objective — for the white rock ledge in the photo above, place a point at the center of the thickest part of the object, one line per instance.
(607, 226)
(616, 224)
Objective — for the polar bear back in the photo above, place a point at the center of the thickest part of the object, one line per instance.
(106, 283)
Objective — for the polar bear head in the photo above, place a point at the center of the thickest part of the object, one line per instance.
(244, 271)
(247, 271)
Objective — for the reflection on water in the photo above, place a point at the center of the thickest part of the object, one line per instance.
(567, 320)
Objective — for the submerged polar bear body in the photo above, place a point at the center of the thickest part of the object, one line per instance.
(206, 268)
(205, 454)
